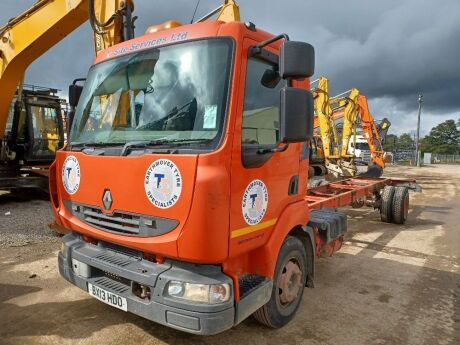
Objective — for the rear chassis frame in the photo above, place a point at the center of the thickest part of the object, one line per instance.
(353, 191)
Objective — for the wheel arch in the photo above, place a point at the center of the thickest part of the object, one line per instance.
(306, 235)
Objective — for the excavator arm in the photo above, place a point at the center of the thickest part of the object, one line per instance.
(323, 116)
(30, 35)
(336, 162)
(358, 109)
(372, 132)
(350, 105)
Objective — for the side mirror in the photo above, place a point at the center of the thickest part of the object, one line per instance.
(270, 79)
(74, 94)
(297, 60)
(296, 115)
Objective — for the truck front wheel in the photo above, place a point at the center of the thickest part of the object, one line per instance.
(288, 285)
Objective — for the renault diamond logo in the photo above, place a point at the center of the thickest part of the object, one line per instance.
(107, 199)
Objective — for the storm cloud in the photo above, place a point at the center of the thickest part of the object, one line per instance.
(391, 50)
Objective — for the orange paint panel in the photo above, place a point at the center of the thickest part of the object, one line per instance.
(124, 177)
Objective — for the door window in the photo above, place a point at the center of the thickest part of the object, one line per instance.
(21, 126)
(45, 130)
(261, 104)
(9, 121)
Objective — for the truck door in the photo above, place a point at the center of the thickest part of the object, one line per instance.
(263, 183)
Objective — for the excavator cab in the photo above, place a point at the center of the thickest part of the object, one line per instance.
(33, 134)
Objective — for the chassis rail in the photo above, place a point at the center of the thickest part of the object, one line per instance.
(346, 192)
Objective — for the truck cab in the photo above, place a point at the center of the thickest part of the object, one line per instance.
(185, 170)
(360, 149)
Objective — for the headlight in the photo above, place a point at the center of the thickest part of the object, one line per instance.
(204, 293)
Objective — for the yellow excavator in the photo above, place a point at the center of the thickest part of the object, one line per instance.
(29, 35)
(356, 113)
(331, 146)
(31, 126)
(337, 161)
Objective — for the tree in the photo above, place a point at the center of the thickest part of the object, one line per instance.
(390, 143)
(405, 142)
(443, 138)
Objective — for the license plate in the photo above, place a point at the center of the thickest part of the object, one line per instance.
(108, 297)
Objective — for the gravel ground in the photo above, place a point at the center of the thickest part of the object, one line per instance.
(389, 284)
(24, 219)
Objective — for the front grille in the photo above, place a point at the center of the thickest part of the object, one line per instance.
(366, 156)
(122, 222)
(119, 222)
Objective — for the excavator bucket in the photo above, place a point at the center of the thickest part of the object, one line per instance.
(382, 128)
(373, 171)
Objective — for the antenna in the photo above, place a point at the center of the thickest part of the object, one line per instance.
(194, 12)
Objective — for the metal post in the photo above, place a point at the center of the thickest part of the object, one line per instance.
(417, 156)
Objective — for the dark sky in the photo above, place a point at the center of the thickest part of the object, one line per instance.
(391, 50)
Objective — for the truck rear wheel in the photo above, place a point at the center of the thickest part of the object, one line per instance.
(288, 285)
(400, 205)
(387, 204)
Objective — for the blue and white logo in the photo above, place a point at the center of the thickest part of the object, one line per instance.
(163, 183)
(255, 201)
(71, 174)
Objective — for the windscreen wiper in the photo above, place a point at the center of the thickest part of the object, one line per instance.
(83, 146)
(151, 143)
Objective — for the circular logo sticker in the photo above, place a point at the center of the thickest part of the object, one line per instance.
(163, 183)
(255, 201)
(71, 174)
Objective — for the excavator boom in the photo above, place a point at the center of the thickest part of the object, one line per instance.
(336, 163)
(28, 36)
(372, 132)
(332, 148)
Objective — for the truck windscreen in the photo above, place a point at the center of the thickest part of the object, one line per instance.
(362, 146)
(168, 95)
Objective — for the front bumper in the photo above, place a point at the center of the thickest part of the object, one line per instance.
(118, 269)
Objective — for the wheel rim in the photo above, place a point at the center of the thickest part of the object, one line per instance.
(406, 206)
(290, 283)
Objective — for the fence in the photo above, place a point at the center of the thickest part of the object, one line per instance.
(437, 158)
(407, 157)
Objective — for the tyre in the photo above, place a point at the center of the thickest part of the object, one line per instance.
(400, 205)
(288, 285)
(387, 204)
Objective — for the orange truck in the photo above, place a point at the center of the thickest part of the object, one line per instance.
(183, 184)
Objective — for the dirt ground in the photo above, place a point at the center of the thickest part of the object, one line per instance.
(390, 284)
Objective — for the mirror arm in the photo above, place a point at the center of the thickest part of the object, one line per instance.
(258, 48)
(277, 149)
(78, 80)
